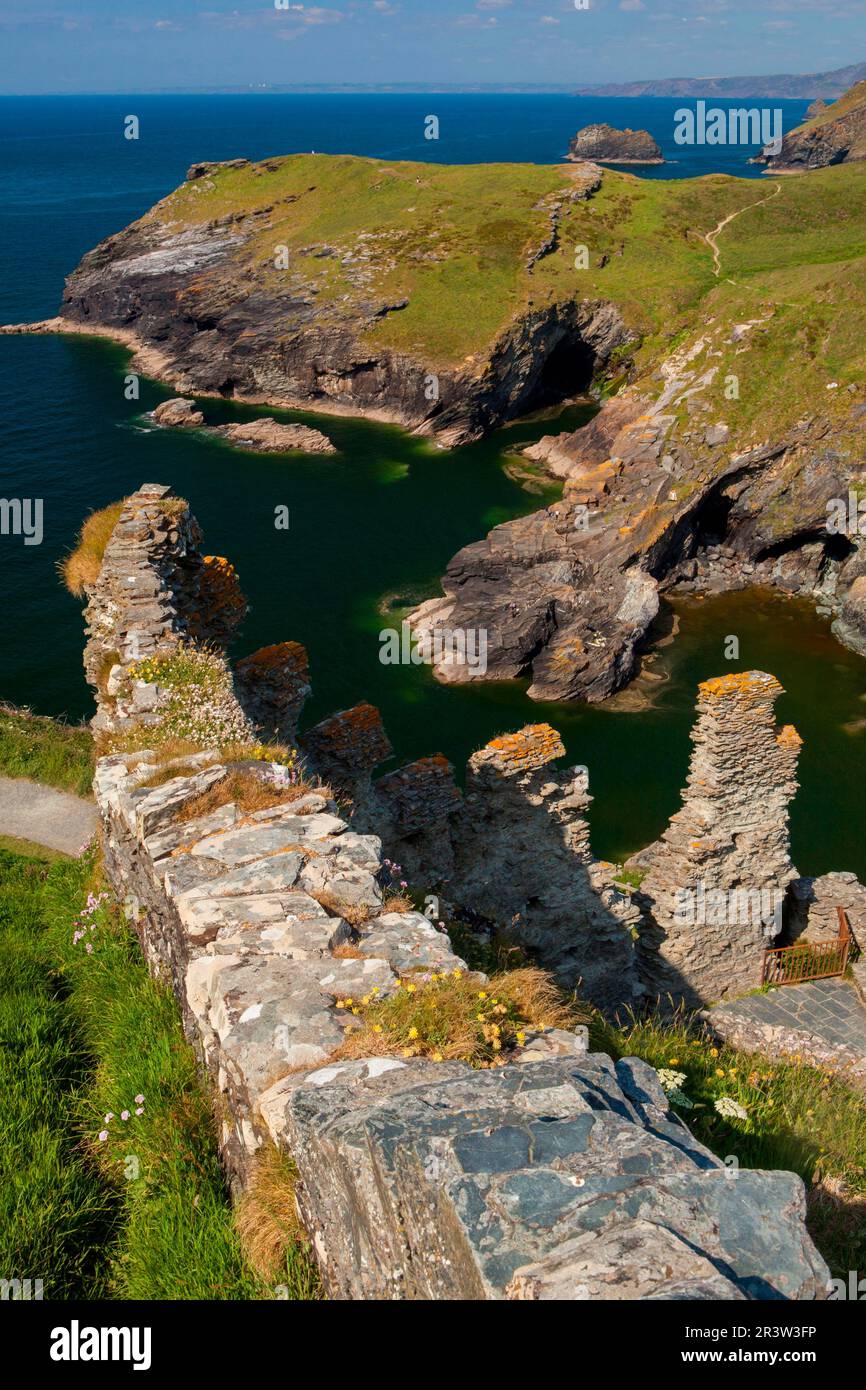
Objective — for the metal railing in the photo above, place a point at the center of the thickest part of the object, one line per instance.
(809, 960)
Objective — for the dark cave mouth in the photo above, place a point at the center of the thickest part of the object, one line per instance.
(567, 371)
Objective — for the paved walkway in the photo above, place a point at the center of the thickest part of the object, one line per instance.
(59, 820)
(828, 1008)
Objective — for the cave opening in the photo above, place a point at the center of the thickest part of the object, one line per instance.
(567, 371)
(838, 548)
(711, 520)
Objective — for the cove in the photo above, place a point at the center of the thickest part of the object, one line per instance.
(371, 531)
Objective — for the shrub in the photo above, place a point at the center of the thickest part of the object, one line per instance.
(451, 1016)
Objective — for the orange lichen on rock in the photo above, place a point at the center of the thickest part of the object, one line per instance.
(354, 738)
(745, 683)
(282, 658)
(788, 737)
(220, 602)
(530, 747)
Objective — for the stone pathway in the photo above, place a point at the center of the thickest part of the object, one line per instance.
(828, 1008)
(823, 1022)
(59, 820)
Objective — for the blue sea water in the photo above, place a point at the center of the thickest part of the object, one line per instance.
(384, 516)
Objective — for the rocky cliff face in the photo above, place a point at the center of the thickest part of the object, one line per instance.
(222, 306)
(832, 135)
(656, 497)
(604, 144)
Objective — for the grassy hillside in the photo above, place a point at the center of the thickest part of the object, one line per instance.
(455, 242)
(95, 1204)
(45, 750)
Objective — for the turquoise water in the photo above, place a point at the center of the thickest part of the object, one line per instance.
(381, 519)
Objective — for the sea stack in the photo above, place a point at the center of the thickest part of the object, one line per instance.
(604, 144)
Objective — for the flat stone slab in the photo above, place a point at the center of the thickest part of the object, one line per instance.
(567, 1179)
(58, 820)
(829, 1009)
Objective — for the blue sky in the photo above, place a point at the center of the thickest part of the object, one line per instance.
(126, 45)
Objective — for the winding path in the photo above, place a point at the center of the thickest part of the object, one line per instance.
(711, 238)
(45, 816)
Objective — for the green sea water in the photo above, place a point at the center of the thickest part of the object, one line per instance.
(370, 527)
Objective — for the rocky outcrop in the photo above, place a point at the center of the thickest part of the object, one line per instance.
(604, 144)
(834, 135)
(656, 497)
(222, 305)
(269, 436)
(716, 881)
(178, 414)
(262, 436)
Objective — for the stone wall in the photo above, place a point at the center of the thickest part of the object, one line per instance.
(717, 879)
(522, 857)
(558, 1175)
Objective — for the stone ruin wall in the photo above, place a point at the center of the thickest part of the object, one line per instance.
(717, 880)
(561, 1175)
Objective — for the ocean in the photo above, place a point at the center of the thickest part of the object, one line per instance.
(382, 518)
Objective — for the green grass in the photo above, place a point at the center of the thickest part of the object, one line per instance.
(57, 1218)
(455, 241)
(28, 849)
(144, 1214)
(45, 750)
(799, 1118)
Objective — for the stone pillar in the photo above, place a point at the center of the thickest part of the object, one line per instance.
(345, 748)
(717, 878)
(155, 591)
(412, 811)
(523, 858)
(273, 684)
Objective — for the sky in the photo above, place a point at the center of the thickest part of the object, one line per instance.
(60, 46)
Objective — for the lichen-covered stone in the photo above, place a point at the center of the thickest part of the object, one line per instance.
(716, 880)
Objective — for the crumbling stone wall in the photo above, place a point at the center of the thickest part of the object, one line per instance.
(557, 1176)
(522, 856)
(718, 876)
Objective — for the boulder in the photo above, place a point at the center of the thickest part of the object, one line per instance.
(178, 413)
(269, 436)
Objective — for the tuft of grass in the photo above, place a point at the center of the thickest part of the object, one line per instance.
(271, 1235)
(398, 902)
(79, 569)
(455, 1016)
(249, 791)
(799, 1117)
(45, 750)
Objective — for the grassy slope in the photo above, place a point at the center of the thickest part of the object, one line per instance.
(455, 241)
(145, 1213)
(45, 750)
(56, 1216)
